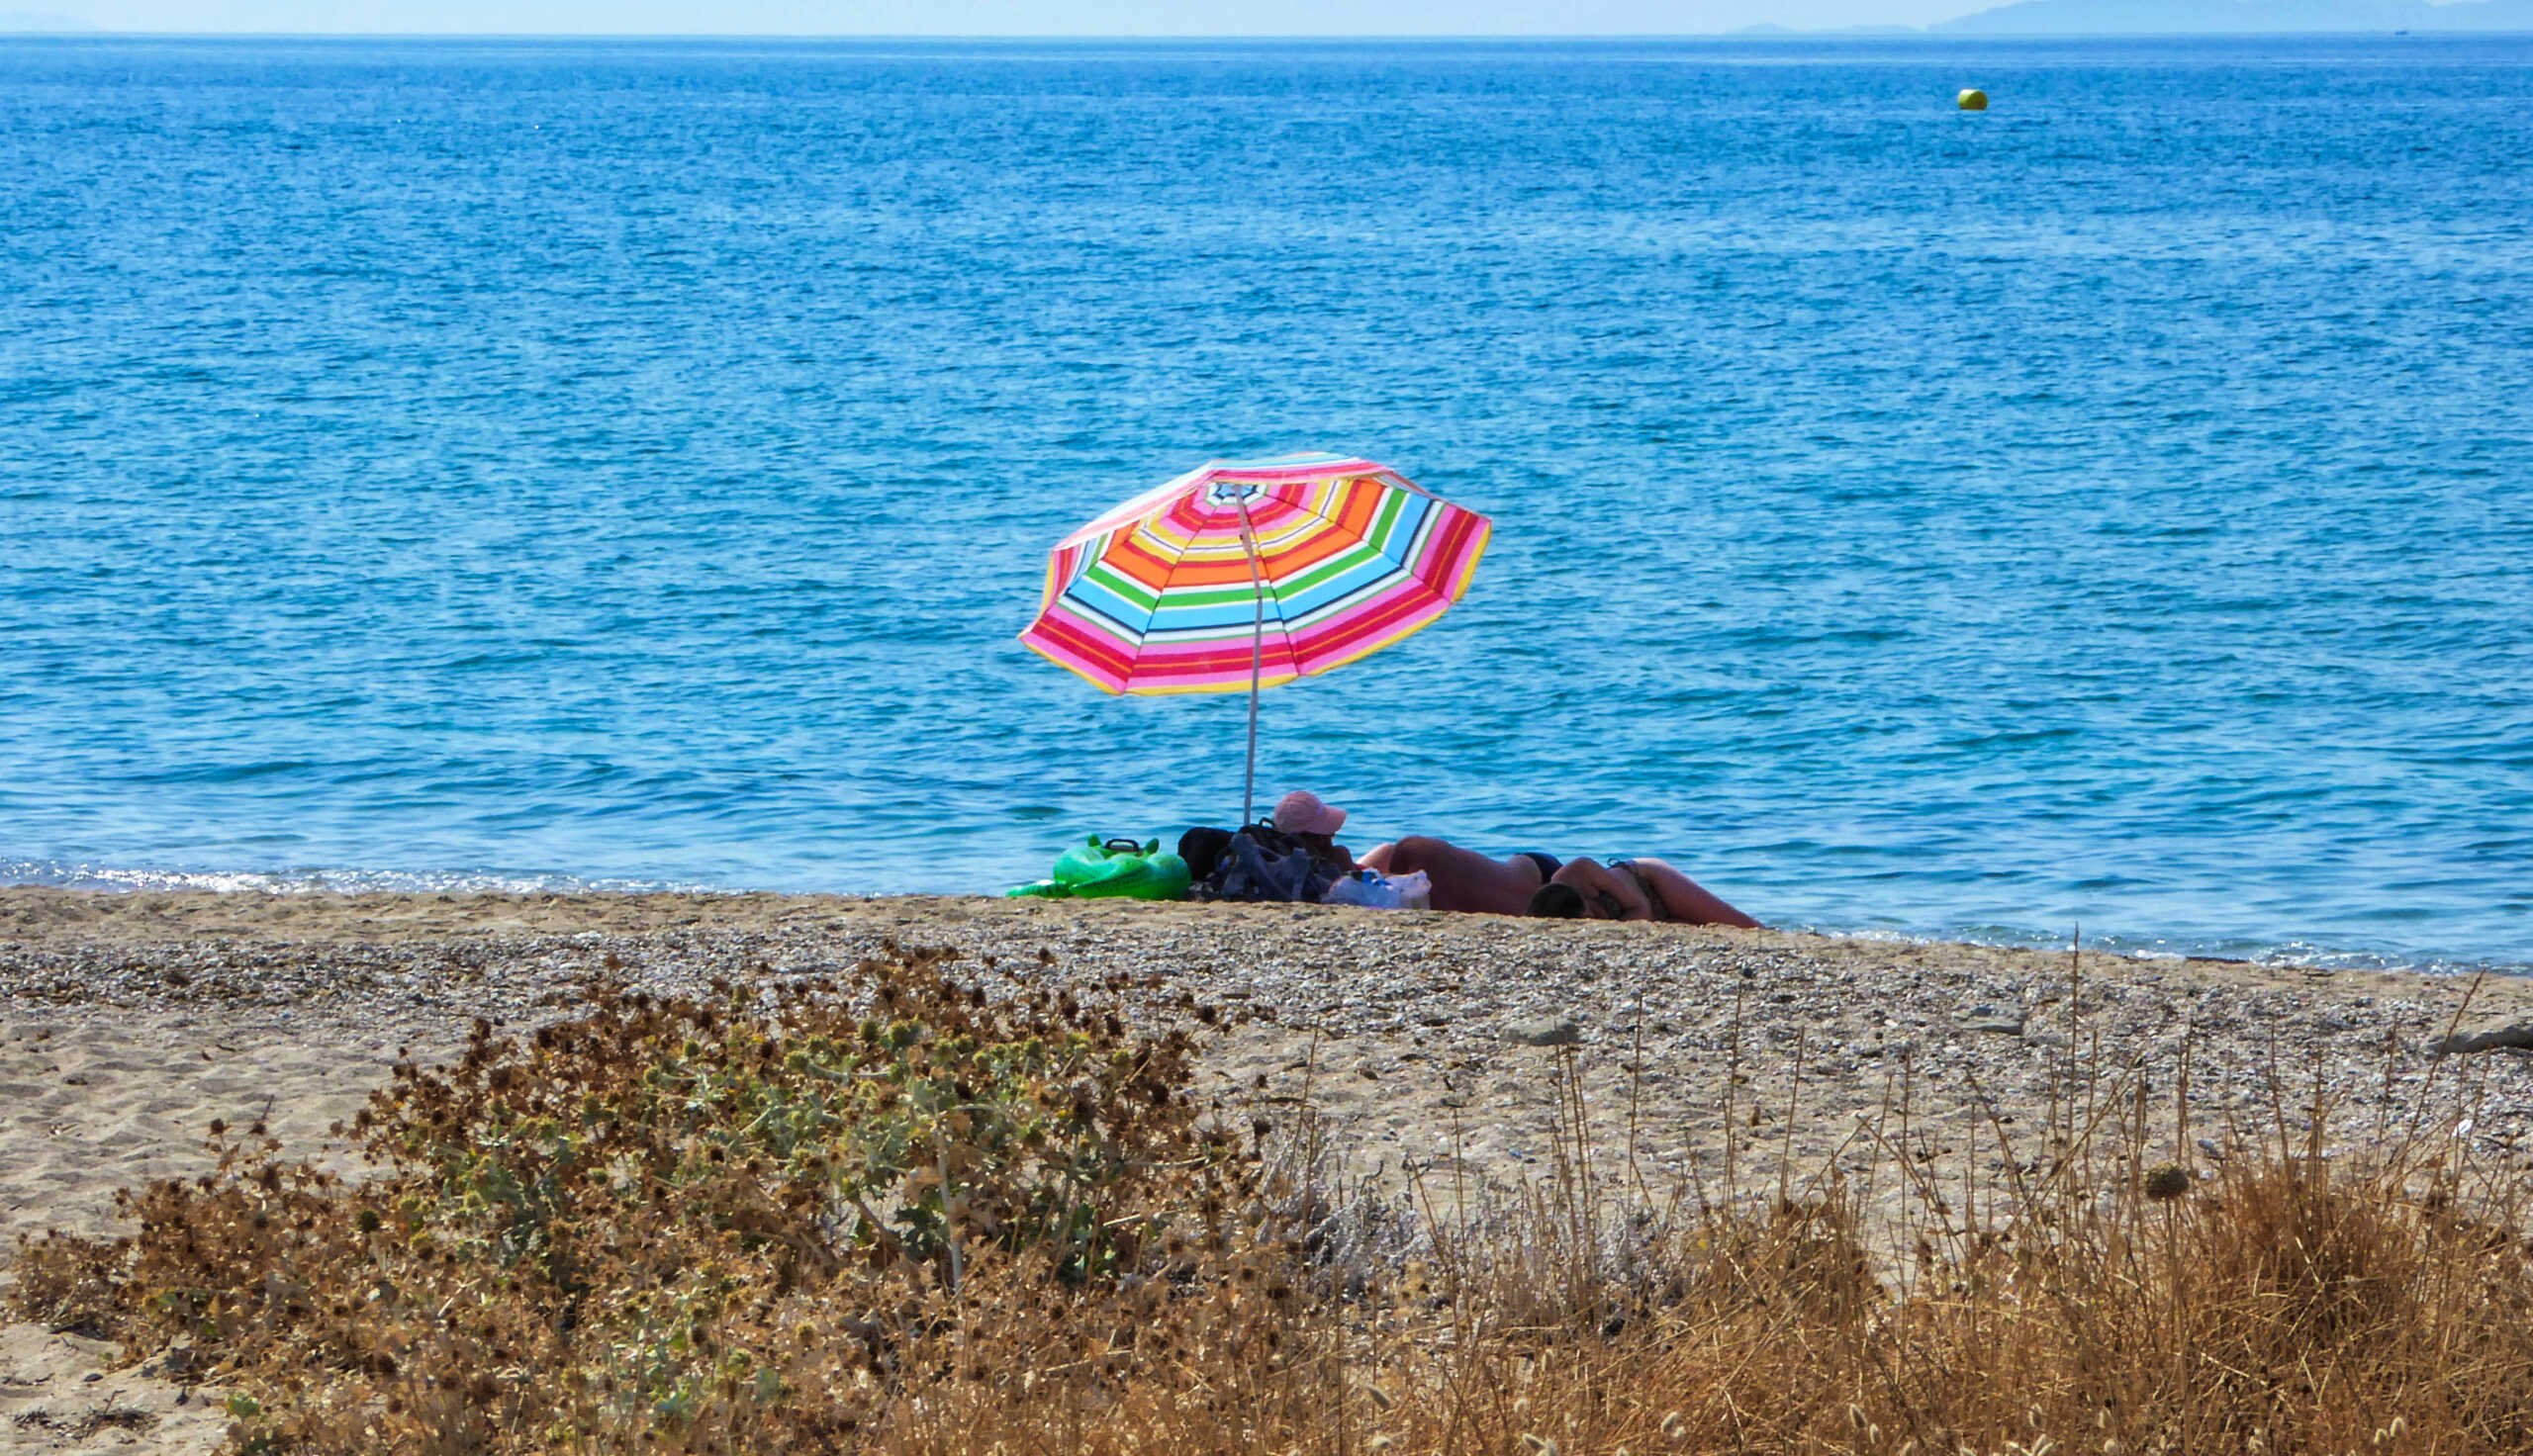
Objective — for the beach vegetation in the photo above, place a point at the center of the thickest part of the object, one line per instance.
(896, 1212)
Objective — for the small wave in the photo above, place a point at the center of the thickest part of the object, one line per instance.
(328, 881)
(2302, 955)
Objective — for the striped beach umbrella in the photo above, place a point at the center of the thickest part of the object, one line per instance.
(1251, 574)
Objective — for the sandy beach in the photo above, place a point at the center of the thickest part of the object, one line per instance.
(1432, 1042)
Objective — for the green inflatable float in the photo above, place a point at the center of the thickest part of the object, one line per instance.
(1116, 868)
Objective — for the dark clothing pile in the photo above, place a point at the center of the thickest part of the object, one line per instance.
(1256, 862)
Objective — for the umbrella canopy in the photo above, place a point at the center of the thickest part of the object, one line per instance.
(1251, 574)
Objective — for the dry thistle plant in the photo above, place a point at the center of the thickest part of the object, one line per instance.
(743, 1225)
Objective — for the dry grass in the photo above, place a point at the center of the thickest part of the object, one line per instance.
(897, 1216)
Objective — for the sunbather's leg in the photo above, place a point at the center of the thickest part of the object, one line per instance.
(1688, 902)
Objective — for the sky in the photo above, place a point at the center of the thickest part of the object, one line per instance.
(984, 16)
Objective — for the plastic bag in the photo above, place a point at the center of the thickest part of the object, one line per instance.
(1378, 892)
(1369, 888)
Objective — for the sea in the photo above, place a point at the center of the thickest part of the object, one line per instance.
(560, 464)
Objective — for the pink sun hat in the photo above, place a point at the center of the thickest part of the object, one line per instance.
(1301, 812)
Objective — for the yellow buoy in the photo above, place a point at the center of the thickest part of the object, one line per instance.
(1973, 99)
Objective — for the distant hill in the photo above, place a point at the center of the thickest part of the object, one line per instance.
(2204, 17)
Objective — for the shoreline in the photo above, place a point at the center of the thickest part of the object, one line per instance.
(2292, 954)
(1437, 1048)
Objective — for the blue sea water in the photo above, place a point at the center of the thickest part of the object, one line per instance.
(437, 464)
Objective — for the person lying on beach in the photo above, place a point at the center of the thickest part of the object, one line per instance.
(1465, 880)
(1302, 815)
(1535, 883)
(1631, 889)
(1293, 855)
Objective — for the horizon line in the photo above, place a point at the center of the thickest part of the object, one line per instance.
(1761, 32)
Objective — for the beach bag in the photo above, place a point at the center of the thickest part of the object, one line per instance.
(1262, 864)
(1200, 849)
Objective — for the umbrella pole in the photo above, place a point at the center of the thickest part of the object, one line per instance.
(1257, 659)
